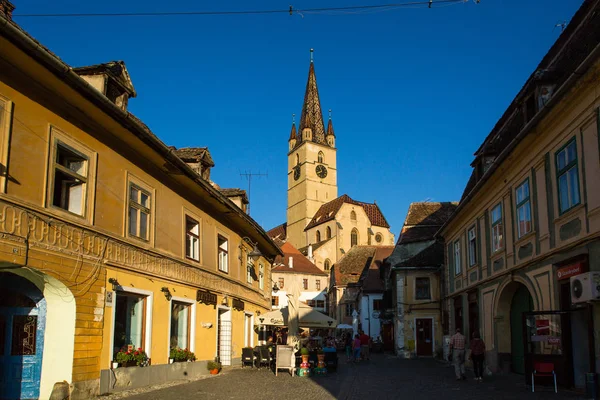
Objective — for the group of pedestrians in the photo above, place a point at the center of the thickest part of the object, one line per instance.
(357, 348)
(477, 355)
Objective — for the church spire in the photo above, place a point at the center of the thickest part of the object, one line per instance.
(311, 109)
(330, 126)
(293, 132)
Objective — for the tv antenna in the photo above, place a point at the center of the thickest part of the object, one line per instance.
(249, 176)
(562, 25)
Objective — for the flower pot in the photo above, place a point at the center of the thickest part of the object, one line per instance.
(305, 358)
(321, 357)
(170, 361)
(128, 364)
(115, 365)
(214, 371)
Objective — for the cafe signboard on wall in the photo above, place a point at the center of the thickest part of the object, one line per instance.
(206, 297)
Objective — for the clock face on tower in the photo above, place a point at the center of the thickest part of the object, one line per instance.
(296, 172)
(321, 171)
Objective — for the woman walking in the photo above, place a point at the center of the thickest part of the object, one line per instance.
(356, 348)
(348, 345)
(477, 356)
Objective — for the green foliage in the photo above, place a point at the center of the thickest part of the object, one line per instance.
(181, 355)
(304, 351)
(213, 365)
(126, 355)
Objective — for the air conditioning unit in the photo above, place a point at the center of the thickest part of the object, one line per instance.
(585, 287)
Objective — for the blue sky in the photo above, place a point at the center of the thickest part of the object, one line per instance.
(414, 91)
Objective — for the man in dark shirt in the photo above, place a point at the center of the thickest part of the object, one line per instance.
(364, 345)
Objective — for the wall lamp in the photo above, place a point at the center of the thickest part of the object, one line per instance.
(275, 287)
(258, 312)
(255, 254)
(225, 301)
(167, 293)
(114, 282)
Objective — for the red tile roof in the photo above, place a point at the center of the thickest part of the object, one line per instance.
(301, 264)
(279, 232)
(372, 277)
(328, 211)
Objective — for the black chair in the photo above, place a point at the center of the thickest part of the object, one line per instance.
(248, 357)
(331, 360)
(264, 357)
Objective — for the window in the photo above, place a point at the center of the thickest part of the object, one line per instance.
(472, 236)
(139, 212)
(223, 257)
(318, 284)
(377, 305)
(320, 157)
(261, 276)
(70, 174)
(353, 237)
(567, 176)
(5, 122)
(327, 265)
(321, 303)
(311, 303)
(180, 325)
(497, 229)
(318, 238)
(305, 284)
(249, 268)
(348, 310)
(422, 289)
(457, 267)
(275, 301)
(281, 282)
(523, 209)
(192, 239)
(353, 216)
(130, 321)
(297, 159)
(328, 232)
(379, 238)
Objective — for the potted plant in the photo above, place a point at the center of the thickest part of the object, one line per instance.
(129, 357)
(214, 367)
(181, 355)
(115, 365)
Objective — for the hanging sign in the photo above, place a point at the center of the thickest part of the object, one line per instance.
(206, 297)
(238, 304)
(570, 270)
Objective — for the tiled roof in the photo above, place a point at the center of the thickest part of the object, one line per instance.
(301, 265)
(279, 232)
(312, 116)
(349, 268)
(116, 69)
(330, 128)
(429, 213)
(235, 192)
(417, 234)
(328, 211)
(371, 278)
(432, 256)
(293, 133)
(315, 246)
(194, 154)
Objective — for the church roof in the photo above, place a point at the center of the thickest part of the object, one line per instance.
(328, 211)
(330, 128)
(293, 133)
(312, 117)
(279, 232)
(301, 265)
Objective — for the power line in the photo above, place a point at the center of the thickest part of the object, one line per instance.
(291, 10)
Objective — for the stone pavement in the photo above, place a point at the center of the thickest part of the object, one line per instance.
(383, 377)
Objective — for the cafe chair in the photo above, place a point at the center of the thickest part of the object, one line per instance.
(543, 369)
(248, 357)
(264, 358)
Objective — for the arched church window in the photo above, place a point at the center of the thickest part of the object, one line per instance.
(318, 236)
(328, 232)
(354, 237)
(353, 216)
(320, 157)
(297, 159)
(327, 265)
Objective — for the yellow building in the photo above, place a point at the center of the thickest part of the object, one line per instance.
(415, 268)
(107, 238)
(523, 247)
(321, 224)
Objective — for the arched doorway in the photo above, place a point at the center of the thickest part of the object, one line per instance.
(22, 326)
(514, 300)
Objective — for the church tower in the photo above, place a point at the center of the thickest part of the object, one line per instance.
(312, 166)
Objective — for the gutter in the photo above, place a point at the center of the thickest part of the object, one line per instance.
(562, 91)
(126, 119)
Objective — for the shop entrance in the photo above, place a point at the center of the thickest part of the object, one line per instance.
(424, 336)
(224, 336)
(521, 302)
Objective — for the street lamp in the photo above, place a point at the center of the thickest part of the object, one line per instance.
(255, 254)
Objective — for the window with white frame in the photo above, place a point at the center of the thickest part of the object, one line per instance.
(249, 268)
(70, 178)
(305, 284)
(523, 209)
(422, 289)
(261, 276)
(223, 254)
(180, 325)
(275, 301)
(457, 266)
(139, 212)
(130, 321)
(472, 237)
(192, 239)
(497, 228)
(567, 176)
(281, 283)
(318, 284)
(348, 309)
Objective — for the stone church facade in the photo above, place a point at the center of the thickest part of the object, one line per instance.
(321, 224)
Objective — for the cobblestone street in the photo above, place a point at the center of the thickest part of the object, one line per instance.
(384, 377)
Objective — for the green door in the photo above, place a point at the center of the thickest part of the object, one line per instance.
(521, 302)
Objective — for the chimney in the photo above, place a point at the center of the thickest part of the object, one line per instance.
(291, 262)
(310, 254)
(6, 9)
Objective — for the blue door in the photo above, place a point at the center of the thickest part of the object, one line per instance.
(22, 322)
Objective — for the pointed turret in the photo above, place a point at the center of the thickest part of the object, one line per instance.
(307, 131)
(330, 134)
(293, 135)
(311, 109)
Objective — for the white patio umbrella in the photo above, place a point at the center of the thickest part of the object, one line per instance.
(293, 294)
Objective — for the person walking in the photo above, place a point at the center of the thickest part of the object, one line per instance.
(457, 347)
(364, 345)
(356, 348)
(348, 345)
(477, 355)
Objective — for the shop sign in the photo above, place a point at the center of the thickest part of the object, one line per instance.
(238, 304)
(570, 270)
(375, 314)
(206, 297)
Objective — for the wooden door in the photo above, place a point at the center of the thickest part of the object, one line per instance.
(388, 337)
(424, 337)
